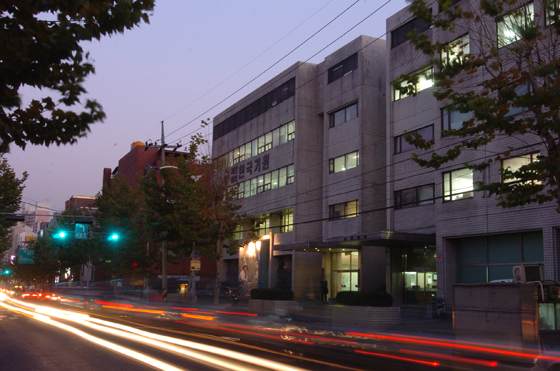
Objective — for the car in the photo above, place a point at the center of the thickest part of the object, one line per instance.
(225, 291)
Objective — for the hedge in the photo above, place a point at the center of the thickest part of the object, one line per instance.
(272, 294)
(365, 299)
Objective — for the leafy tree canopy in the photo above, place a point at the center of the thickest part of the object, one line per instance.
(40, 47)
(504, 78)
(11, 189)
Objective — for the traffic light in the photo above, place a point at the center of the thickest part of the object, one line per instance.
(113, 237)
(61, 234)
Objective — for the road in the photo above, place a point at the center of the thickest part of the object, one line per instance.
(35, 336)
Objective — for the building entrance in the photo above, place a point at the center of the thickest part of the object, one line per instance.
(345, 272)
(414, 277)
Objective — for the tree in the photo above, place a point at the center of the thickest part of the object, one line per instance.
(504, 78)
(11, 189)
(40, 47)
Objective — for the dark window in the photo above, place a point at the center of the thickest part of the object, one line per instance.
(344, 210)
(258, 107)
(422, 195)
(343, 115)
(400, 34)
(519, 91)
(401, 145)
(453, 119)
(346, 66)
(453, 2)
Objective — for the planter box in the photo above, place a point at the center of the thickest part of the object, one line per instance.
(275, 307)
(370, 317)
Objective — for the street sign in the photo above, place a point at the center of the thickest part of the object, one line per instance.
(195, 255)
(195, 265)
(81, 231)
(25, 257)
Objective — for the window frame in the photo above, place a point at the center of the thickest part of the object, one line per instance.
(417, 202)
(533, 158)
(332, 121)
(344, 212)
(397, 91)
(287, 225)
(446, 58)
(500, 39)
(347, 66)
(465, 194)
(346, 157)
(397, 38)
(443, 123)
(400, 138)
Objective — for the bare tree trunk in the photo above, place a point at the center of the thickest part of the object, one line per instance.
(220, 250)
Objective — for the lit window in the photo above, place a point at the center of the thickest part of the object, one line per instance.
(345, 162)
(287, 220)
(458, 184)
(553, 12)
(238, 233)
(519, 19)
(424, 80)
(514, 164)
(519, 91)
(344, 210)
(343, 115)
(455, 49)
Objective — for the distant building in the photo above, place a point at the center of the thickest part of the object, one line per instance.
(80, 202)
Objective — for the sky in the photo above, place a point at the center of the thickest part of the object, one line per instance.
(186, 65)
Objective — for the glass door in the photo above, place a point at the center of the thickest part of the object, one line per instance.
(345, 275)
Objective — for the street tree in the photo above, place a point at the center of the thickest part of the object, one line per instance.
(11, 189)
(41, 47)
(501, 79)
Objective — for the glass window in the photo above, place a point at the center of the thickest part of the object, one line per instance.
(343, 115)
(520, 90)
(344, 210)
(343, 68)
(276, 137)
(458, 184)
(248, 150)
(282, 176)
(291, 130)
(283, 134)
(267, 180)
(260, 184)
(400, 34)
(552, 13)
(508, 29)
(238, 233)
(254, 147)
(345, 162)
(268, 141)
(426, 194)
(453, 119)
(261, 144)
(274, 179)
(339, 164)
(254, 184)
(415, 196)
(352, 160)
(241, 190)
(401, 144)
(425, 80)
(513, 164)
(287, 220)
(454, 48)
(290, 177)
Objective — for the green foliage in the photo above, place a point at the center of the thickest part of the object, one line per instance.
(364, 299)
(41, 47)
(499, 74)
(11, 189)
(272, 294)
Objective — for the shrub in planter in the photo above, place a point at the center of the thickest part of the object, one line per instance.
(272, 294)
(368, 299)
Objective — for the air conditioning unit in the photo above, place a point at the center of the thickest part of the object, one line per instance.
(527, 273)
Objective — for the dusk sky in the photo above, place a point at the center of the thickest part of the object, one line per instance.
(178, 68)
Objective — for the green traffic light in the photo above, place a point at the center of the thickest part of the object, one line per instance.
(60, 234)
(7, 271)
(114, 237)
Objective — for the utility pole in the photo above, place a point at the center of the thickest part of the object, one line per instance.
(162, 148)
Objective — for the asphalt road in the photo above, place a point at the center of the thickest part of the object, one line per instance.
(130, 339)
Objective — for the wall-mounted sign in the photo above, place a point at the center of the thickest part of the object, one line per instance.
(249, 168)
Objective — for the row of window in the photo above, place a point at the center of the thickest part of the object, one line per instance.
(344, 210)
(266, 182)
(344, 162)
(285, 217)
(257, 108)
(281, 135)
(457, 184)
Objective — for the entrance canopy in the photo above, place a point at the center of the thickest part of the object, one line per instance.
(381, 238)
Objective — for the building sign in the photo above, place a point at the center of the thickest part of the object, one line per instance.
(195, 265)
(25, 257)
(248, 168)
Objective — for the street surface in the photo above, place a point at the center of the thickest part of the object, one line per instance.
(71, 335)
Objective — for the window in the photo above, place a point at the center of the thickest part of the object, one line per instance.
(519, 91)
(453, 119)
(290, 174)
(454, 48)
(287, 220)
(343, 115)
(401, 145)
(291, 130)
(424, 80)
(265, 182)
(344, 210)
(345, 67)
(552, 13)
(457, 185)
(238, 233)
(422, 195)
(513, 164)
(262, 228)
(519, 19)
(345, 162)
(264, 143)
(453, 2)
(400, 34)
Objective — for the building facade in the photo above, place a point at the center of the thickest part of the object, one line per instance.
(474, 239)
(306, 152)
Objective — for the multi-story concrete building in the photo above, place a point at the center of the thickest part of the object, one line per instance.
(473, 239)
(306, 151)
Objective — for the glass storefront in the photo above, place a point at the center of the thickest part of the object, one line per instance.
(414, 277)
(345, 272)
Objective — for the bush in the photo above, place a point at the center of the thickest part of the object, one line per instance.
(272, 294)
(365, 299)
